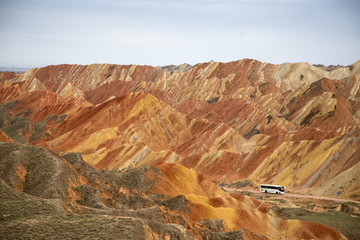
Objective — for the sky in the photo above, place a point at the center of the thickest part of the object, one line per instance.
(37, 33)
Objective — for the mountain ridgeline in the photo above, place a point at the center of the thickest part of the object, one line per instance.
(295, 125)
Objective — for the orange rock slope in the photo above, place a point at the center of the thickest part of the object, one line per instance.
(170, 200)
(207, 201)
(290, 124)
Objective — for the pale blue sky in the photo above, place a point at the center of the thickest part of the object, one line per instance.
(36, 33)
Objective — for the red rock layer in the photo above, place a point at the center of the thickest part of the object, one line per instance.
(226, 120)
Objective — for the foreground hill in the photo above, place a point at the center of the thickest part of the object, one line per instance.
(290, 124)
(44, 195)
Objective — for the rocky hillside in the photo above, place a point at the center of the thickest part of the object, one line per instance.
(291, 124)
(44, 195)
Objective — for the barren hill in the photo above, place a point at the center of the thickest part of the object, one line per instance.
(226, 120)
(39, 189)
(291, 124)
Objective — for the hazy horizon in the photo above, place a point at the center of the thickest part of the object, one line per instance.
(23, 69)
(163, 32)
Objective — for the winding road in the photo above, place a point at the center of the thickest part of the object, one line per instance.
(294, 195)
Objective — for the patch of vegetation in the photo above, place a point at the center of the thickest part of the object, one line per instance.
(40, 169)
(136, 178)
(287, 115)
(314, 88)
(212, 100)
(342, 222)
(39, 126)
(306, 121)
(24, 113)
(89, 196)
(8, 162)
(355, 196)
(291, 212)
(269, 118)
(7, 193)
(18, 205)
(292, 100)
(347, 225)
(15, 127)
(243, 183)
(52, 117)
(73, 227)
(72, 157)
(38, 136)
(263, 84)
(253, 132)
(330, 114)
(176, 203)
(3, 116)
(6, 148)
(246, 193)
(61, 119)
(11, 105)
(10, 209)
(280, 200)
(133, 179)
(352, 203)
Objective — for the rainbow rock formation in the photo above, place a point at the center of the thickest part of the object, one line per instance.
(291, 124)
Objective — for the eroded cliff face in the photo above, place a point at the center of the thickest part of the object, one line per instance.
(289, 124)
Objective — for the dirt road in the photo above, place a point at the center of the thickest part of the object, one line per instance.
(295, 195)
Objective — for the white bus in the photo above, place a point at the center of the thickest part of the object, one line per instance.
(272, 189)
